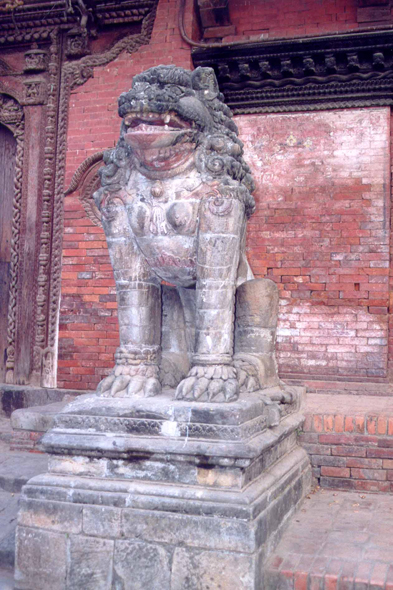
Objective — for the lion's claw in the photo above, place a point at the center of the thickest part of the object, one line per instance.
(105, 385)
(120, 384)
(214, 383)
(247, 376)
(143, 383)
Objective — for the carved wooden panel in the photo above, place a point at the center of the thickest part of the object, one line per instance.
(7, 173)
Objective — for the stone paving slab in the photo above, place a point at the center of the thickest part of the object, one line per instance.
(337, 541)
(5, 430)
(6, 579)
(8, 516)
(17, 467)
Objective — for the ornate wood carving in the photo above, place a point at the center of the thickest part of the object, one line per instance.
(11, 115)
(86, 180)
(335, 71)
(41, 311)
(34, 91)
(73, 75)
(35, 21)
(35, 60)
(5, 69)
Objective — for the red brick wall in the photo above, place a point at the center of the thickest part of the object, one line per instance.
(256, 19)
(321, 231)
(390, 326)
(350, 441)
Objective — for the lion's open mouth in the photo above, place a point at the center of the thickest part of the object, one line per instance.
(154, 122)
(160, 141)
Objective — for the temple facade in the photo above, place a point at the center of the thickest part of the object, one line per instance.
(310, 86)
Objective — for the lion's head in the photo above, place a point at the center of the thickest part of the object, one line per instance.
(169, 115)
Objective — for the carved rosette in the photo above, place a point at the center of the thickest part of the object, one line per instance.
(34, 92)
(35, 60)
(77, 43)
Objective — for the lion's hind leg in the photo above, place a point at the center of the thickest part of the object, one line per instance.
(255, 335)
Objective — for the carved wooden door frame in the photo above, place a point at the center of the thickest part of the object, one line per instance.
(57, 62)
(12, 117)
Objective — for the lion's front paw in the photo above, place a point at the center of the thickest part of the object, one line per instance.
(213, 383)
(130, 381)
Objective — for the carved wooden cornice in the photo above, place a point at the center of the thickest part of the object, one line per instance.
(34, 20)
(336, 71)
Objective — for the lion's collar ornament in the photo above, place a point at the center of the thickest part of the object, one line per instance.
(175, 198)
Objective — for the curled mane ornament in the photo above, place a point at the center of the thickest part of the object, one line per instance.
(175, 197)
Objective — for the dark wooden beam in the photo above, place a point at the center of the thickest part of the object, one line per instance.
(334, 71)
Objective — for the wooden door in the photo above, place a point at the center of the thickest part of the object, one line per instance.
(7, 171)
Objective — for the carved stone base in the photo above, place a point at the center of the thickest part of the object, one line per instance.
(160, 495)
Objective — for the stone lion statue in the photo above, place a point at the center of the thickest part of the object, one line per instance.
(175, 197)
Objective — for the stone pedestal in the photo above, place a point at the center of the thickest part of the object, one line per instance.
(156, 494)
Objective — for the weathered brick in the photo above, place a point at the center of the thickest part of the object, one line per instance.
(371, 486)
(339, 423)
(372, 424)
(349, 424)
(318, 423)
(385, 442)
(313, 449)
(335, 471)
(337, 483)
(319, 460)
(347, 451)
(380, 453)
(373, 474)
(361, 463)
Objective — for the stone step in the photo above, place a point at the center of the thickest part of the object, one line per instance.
(13, 397)
(37, 418)
(29, 424)
(338, 540)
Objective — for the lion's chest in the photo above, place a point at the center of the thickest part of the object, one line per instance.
(164, 218)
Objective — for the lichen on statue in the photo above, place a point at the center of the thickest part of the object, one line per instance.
(175, 198)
